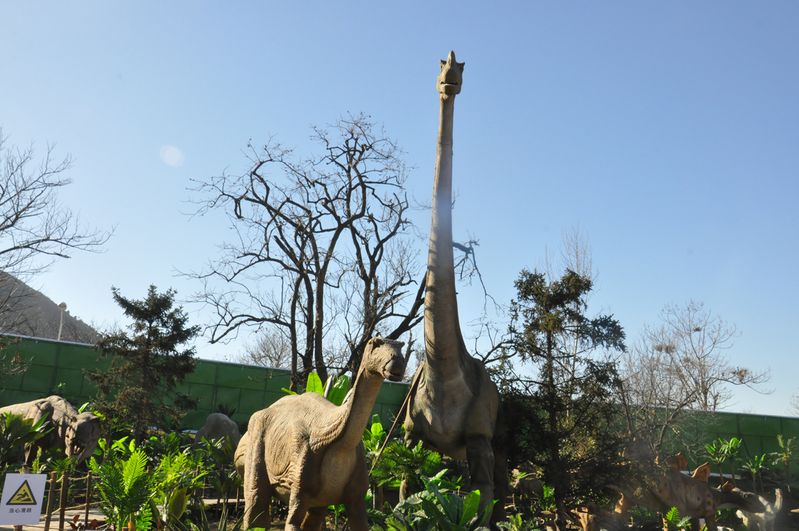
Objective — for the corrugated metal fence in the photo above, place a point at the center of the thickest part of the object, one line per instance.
(60, 368)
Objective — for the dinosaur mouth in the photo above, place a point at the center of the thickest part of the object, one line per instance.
(394, 372)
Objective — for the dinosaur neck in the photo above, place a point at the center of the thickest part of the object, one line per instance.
(443, 338)
(346, 427)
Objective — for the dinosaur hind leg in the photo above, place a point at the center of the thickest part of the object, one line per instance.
(257, 490)
(298, 510)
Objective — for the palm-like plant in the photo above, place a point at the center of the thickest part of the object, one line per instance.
(720, 451)
(432, 509)
(784, 458)
(125, 488)
(176, 476)
(334, 390)
(755, 465)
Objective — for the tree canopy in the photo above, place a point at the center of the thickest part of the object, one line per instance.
(321, 254)
(565, 415)
(147, 362)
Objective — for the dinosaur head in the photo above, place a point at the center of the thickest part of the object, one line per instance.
(451, 76)
(83, 436)
(731, 497)
(384, 357)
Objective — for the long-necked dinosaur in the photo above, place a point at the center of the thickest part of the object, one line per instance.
(454, 404)
(309, 452)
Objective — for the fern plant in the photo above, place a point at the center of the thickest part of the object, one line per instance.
(17, 433)
(126, 489)
(176, 476)
(675, 522)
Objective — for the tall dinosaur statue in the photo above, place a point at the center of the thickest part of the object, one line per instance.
(310, 453)
(454, 404)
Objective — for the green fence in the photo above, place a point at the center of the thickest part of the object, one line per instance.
(60, 368)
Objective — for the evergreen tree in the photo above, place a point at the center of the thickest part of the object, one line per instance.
(146, 363)
(565, 420)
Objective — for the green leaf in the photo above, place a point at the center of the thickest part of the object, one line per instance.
(471, 505)
(314, 384)
(339, 389)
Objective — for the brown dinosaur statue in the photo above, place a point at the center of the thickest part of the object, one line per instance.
(73, 432)
(309, 452)
(691, 495)
(454, 404)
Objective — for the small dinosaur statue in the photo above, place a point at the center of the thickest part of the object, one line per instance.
(691, 495)
(217, 426)
(454, 404)
(766, 520)
(309, 452)
(75, 433)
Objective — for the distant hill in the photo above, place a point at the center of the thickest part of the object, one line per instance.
(27, 312)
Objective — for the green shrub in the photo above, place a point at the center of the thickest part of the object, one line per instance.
(16, 434)
(433, 510)
(126, 489)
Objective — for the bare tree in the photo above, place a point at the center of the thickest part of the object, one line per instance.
(35, 229)
(271, 349)
(681, 365)
(321, 254)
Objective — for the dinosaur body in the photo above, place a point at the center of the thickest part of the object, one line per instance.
(308, 451)
(454, 405)
(218, 426)
(73, 432)
(765, 520)
(691, 495)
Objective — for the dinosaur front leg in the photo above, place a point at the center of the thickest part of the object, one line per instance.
(354, 501)
(315, 519)
(356, 516)
(298, 509)
(481, 467)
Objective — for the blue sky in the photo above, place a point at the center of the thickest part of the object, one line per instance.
(666, 133)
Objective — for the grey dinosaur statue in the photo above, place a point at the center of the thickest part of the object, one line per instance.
(454, 404)
(73, 432)
(309, 452)
(217, 426)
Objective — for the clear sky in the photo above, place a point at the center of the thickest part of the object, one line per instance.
(667, 132)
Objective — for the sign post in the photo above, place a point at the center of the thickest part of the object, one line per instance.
(21, 502)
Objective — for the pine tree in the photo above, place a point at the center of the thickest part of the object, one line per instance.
(147, 362)
(565, 414)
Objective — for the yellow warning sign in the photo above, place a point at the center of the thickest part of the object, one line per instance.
(22, 496)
